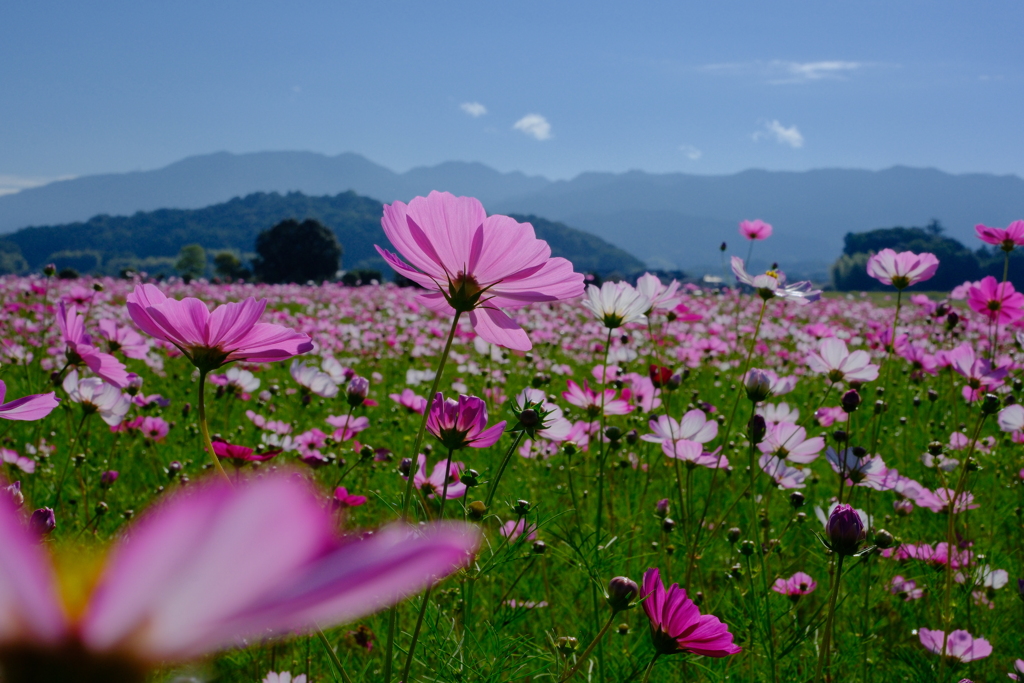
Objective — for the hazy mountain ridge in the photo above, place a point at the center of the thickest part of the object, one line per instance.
(672, 220)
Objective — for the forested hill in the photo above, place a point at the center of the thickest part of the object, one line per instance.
(110, 243)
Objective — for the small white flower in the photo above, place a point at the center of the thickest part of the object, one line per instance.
(309, 377)
(616, 304)
(98, 396)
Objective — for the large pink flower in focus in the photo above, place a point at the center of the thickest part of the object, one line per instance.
(903, 269)
(1012, 236)
(210, 568)
(462, 423)
(232, 332)
(755, 229)
(960, 645)
(678, 626)
(33, 407)
(475, 263)
(997, 301)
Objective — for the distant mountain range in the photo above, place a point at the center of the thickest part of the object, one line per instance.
(150, 240)
(673, 220)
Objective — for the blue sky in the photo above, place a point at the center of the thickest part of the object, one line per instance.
(542, 87)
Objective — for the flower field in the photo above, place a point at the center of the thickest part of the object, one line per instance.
(649, 483)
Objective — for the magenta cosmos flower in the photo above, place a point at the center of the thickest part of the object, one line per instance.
(80, 351)
(462, 423)
(475, 263)
(1012, 236)
(678, 626)
(755, 229)
(208, 569)
(903, 269)
(232, 332)
(997, 301)
(960, 645)
(795, 586)
(33, 407)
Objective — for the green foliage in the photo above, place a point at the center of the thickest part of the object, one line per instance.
(297, 252)
(191, 262)
(11, 260)
(227, 265)
(956, 262)
(80, 260)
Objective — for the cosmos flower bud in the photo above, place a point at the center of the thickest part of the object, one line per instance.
(723, 247)
(529, 418)
(539, 547)
(840, 436)
(758, 385)
(13, 492)
(49, 270)
(477, 509)
(660, 375)
(567, 645)
(796, 499)
(470, 478)
(632, 436)
(747, 548)
(733, 535)
(845, 530)
(850, 401)
(668, 525)
(404, 466)
(522, 508)
(613, 433)
(674, 381)
(952, 320)
(43, 521)
(622, 591)
(884, 539)
(935, 448)
(661, 508)
(990, 404)
(756, 429)
(358, 388)
(108, 478)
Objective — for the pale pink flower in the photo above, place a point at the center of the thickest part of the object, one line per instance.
(410, 400)
(80, 351)
(903, 269)
(214, 567)
(755, 229)
(154, 428)
(434, 485)
(959, 645)
(475, 263)
(26, 408)
(773, 284)
(347, 426)
(232, 332)
(695, 426)
(615, 304)
(795, 586)
(692, 451)
(24, 464)
(838, 364)
(782, 473)
(283, 677)
(787, 440)
(1006, 239)
(661, 297)
(593, 402)
(905, 588)
(95, 395)
(123, 339)
(1011, 418)
(513, 529)
(980, 374)
(941, 499)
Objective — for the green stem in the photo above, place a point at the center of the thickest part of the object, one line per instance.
(650, 668)
(332, 655)
(493, 488)
(206, 430)
(590, 648)
(827, 640)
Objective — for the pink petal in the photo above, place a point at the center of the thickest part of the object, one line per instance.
(497, 328)
(33, 407)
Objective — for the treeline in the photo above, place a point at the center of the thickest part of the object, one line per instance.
(957, 263)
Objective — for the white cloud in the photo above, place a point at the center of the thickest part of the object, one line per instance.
(691, 152)
(474, 109)
(534, 125)
(780, 72)
(784, 136)
(12, 184)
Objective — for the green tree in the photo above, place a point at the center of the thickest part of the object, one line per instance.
(227, 265)
(297, 252)
(191, 261)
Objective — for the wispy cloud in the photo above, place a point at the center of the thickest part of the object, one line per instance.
(534, 125)
(474, 109)
(691, 152)
(12, 184)
(784, 136)
(781, 72)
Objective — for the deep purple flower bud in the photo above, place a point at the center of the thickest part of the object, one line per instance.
(850, 401)
(404, 466)
(758, 385)
(13, 491)
(358, 388)
(990, 405)
(723, 247)
(613, 433)
(1020, 588)
(845, 530)
(674, 381)
(529, 418)
(756, 429)
(622, 592)
(952, 320)
(43, 521)
(797, 499)
(108, 478)
(661, 508)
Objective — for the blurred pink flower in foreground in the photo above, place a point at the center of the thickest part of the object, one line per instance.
(208, 569)
(232, 332)
(755, 229)
(475, 263)
(903, 269)
(32, 407)
(960, 645)
(997, 301)
(1012, 236)
(678, 626)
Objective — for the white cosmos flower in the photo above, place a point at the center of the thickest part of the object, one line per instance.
(96, 395)
(773, 284)
(616, 304)
(243, 379)
(309, 377)
(662, 297)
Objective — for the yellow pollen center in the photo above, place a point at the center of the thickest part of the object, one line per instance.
(78, 569)
(772, 273)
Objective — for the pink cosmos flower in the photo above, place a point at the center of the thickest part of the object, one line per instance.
(591, 401)
(695, 426)
(513, 529)
(410, 400)
(556, 426)
(787, 440)
(1010, 419)
(755, 229)
(980, 373)
(661, 297)
(959, 645)
(905, 588)
(27, 408)
(123, 339)
(997, 301)
(1006, 239)
(692, 451)
(903, 269)
(344, 499)
(347, 426)
(475, 263)
(26, 465)
(941, 499)
(678, 626)
(462, 423)
(795, 586)
(828, 416)
(97, 396)
(433, 485)
(154, 428)
(241, 454)
(1018, 667)
(80, 351)
(837, 363)
(782, 473)
(773, 284)
(210, 568)
(232, 332)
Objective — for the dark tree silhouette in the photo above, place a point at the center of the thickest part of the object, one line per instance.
(297, 252)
